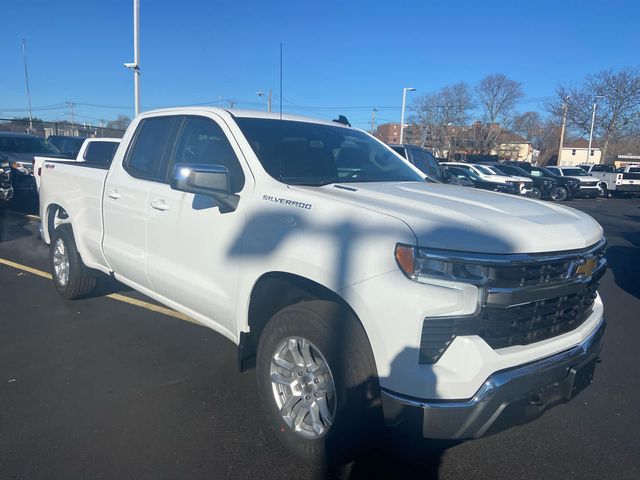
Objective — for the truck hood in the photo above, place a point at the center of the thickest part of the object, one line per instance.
(465, 219)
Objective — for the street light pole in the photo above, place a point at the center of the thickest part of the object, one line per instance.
(593, 121)
(404, 101)
(135, 66)
(373, 119)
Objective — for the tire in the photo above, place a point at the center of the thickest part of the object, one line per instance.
(79, 281)
(559, 194)
(602, 191)
(536, 193)
(336, 337)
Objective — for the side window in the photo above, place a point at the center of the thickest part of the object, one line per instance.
(400, 150)
(100, 152)
(597, 168)
(146, 157)
(202, 141)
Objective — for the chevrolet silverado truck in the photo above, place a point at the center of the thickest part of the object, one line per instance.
(92, 150)
(362, 293)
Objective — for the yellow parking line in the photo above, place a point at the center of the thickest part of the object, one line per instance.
(114, 296)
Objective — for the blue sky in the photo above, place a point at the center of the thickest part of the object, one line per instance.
(339, 56)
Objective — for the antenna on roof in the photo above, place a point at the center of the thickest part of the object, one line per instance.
(343, 120)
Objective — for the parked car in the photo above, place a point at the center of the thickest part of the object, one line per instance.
(468, 178)
(361, 290)
(513, 185)
(589, 186)
(542, 187)
(566, 187)
(96, 151)
(66, 145)
(20, 148)
(6, 189)
(422, 158)
(613, 182)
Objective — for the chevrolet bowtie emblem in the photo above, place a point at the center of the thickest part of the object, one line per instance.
(586, 268)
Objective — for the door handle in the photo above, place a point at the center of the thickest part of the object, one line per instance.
(114, 194)
(160, 205)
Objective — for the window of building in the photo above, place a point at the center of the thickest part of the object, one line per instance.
(593, 152)
(573, 152)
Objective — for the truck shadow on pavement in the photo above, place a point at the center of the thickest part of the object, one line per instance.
(620, 257)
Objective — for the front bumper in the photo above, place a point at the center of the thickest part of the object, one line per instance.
(507, 398)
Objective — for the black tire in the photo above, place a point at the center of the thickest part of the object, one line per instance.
(536, 193)
(339, 337)
(81, 280)
(602, 191)
(559, 194)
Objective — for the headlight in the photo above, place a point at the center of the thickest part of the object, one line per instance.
(421, 265)
(20, 167)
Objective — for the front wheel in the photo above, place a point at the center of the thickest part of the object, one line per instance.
(536, 193)
(318, 382)
(559, 194)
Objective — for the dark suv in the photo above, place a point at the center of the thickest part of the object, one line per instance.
(566, 187)
(543, 187)
(422, 159)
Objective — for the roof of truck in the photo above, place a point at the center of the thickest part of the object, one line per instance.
(240, 113)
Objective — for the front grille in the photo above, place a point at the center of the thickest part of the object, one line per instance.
(535, 321)
(524, 302)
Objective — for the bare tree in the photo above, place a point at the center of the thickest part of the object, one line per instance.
(435, 113)
(120, 123)
(498, 95)
(618, 111)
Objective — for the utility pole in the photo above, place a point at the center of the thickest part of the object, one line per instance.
(565, 107)
(593, 121)
(373, 119)
(261, 94)
(269, 102)
(72, 115)
(135, 66)
(26, 77)
(220, 101)
(232, 103)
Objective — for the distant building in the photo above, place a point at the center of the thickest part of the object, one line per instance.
(511, 146)
(388, 132)
(575, 152)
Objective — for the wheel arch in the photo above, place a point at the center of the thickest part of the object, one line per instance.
(49, 220)
(272, 292)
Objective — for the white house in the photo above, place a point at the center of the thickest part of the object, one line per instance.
(575, 152)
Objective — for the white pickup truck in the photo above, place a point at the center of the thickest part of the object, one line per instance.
(612, 180)
(361, 291)
(92, 150)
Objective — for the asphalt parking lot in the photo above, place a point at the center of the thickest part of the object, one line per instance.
(106, 388)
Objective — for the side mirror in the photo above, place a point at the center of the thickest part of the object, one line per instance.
(211, 180)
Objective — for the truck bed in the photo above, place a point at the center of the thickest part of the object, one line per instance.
(78, 186)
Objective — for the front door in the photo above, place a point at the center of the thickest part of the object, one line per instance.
(190, 239)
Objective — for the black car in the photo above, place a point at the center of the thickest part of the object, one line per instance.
(6, 189)
(566, 187)
(20, 148)
(67, 146)
(467, 178)
(422, 159)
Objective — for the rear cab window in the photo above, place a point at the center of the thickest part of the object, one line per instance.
(148, 155)
(100, 152)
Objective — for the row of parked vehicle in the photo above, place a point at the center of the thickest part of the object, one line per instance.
(522, 178)
(22, 155)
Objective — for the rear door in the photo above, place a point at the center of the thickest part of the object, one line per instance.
(126, 197)
(191, 239)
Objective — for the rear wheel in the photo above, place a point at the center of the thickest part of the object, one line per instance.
(559, 194)
(318, 382)
(70, 276)
(536, 193)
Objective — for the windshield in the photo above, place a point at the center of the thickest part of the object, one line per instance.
(634, 170)
(548, 173)
(302, 153)
(485, 170)
(513, 170)
(25, 145)
(575, 172)
(495, 170)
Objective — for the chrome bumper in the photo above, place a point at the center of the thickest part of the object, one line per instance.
(507, 398)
